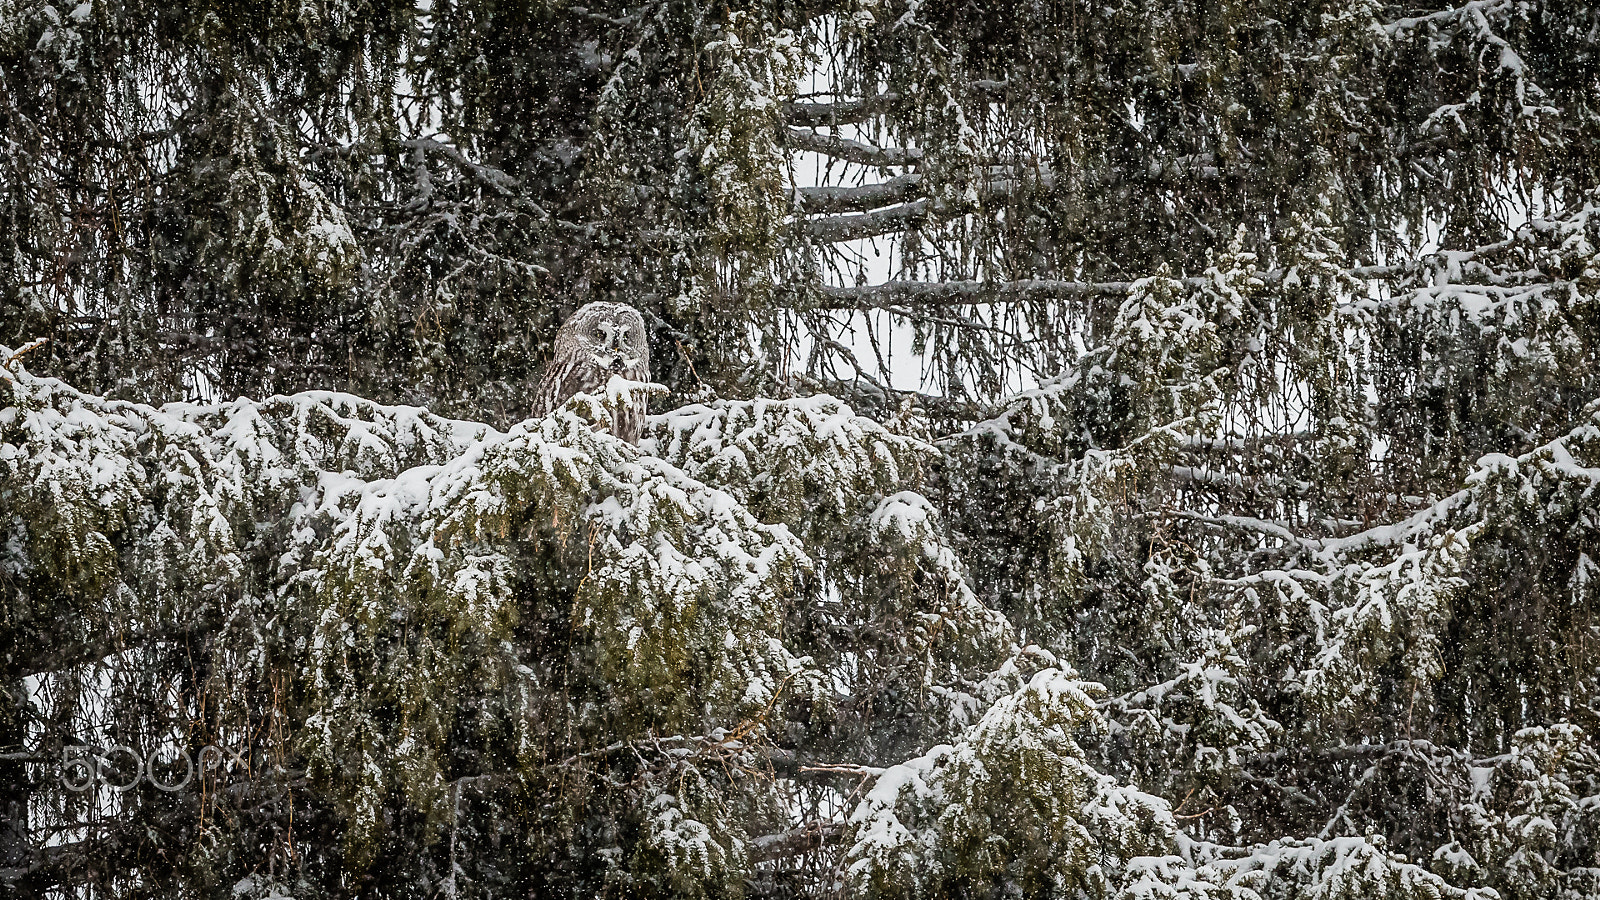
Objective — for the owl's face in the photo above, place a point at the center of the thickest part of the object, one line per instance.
(614, 344)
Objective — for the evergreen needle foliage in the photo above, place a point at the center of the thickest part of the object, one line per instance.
(1101, 450)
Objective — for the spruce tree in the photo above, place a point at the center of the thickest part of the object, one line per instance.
(1237, 540)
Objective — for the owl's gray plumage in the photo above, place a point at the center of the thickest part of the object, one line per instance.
(598, 341)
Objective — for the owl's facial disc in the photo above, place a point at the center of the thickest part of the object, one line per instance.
(610, 350)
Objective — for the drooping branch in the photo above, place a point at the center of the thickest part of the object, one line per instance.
(1472, 9)
(888, 206)
(99, 645)
(496, 180)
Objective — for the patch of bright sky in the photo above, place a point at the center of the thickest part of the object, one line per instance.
(883, 347)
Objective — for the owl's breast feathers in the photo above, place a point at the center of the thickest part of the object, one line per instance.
(627, 423)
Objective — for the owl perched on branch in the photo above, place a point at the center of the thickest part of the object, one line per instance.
(596, 342)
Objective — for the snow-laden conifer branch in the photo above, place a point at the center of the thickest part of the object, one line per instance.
(395, 534)
(1269, 566)
(961, 293)
(919, 829)
(1303, 517)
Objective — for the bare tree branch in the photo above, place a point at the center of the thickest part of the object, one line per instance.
(841, 112)
(858, 198)
(852, 150)
(884, 221)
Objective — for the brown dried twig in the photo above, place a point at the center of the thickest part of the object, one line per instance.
(9, 367)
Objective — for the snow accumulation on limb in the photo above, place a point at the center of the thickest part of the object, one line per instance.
(361, 543)
(1290, 617)
(1468, 277)
(850, 149)
(1344, 868)
(372, 497)
(1398, 578)
(841, 112)
(821, 470)
(858, 198)
(1068, 830)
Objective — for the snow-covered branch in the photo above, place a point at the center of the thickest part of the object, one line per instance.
(851, 150)
(838, 112)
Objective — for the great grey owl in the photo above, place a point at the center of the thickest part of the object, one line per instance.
(598, 341)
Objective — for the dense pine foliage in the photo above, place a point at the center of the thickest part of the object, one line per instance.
(1231, 537)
